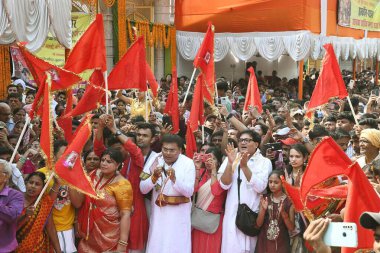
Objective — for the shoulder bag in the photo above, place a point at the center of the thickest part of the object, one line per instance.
(245, 217)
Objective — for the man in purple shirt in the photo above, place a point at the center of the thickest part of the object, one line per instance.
(11, 205)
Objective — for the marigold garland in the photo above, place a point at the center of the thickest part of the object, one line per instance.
(157, 35)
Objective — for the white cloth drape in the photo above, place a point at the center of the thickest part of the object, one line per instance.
(271, 45)
(30, 21)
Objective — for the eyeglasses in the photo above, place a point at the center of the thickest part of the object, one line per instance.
(169, 150)
(245, 140)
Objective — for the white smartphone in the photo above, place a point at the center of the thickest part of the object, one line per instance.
(341, 234)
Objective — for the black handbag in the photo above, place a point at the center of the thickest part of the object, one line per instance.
(245, 217)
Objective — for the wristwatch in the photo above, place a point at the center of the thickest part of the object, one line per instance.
(117, 133)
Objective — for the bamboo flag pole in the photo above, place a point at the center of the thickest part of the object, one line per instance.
(352, 110)
(106, 84)
(146, 106)
(188, 88)
(44, 189)
(20, 139)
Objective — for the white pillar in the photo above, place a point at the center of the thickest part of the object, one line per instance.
(161, 15)
(108, 33)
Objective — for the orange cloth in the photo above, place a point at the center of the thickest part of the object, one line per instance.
(261, 16)
(104, 232)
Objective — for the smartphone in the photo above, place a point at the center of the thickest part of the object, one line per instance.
(274, 146)
(341, 234)
(224, 100)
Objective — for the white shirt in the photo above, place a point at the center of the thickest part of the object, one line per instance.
(17, 178)
(233, 240)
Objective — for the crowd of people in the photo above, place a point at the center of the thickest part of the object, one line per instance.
(155, 198)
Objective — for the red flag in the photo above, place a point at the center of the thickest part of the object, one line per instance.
(92, 97)
(67, 123)
(197, 110)
(69, 166)
(171, 107)
(90, 50)
(60, 78)
(36, 106)
(253, 94)
(130, 72)
(330, 81)
(205, 60)
(328, 160)
(151, 80)
(191, 144)
(46, 138)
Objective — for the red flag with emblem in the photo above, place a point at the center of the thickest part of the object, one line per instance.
(253, 94)
(90, 50)
(330, 81)
(172, 107)
(60, 78)
(204, 60)
(69, 166)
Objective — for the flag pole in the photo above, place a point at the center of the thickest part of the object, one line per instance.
(44, 189)
(27, 121)
(188, 88)
(106, 84)
(352, 110)
(146, 106)
(216, 92)
(203, 134)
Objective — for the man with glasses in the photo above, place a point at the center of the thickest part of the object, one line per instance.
(254, 171)
(172, 178)
(11, 205)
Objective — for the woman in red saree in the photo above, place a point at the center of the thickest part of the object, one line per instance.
(35, 230)
(104, 223)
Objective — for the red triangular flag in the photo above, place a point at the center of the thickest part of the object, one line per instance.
(90, 50)
(130, 72)
(191, 144)
(151, 80)
(171, 107)
(253, 94)
(329, 160)
(361, 198)
(60, 78)
(36, 106)
(330, 81)
(196, 117)
(204, 60)
(92, 97)
(67, 123)
(46, 138)
(69, 166)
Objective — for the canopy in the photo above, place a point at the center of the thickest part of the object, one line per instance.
(270, 28)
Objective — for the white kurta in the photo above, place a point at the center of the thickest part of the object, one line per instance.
(233, 240)
(170, 226)
(148, 162)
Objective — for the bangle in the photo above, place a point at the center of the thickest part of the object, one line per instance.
(22, 160)
(122, 243)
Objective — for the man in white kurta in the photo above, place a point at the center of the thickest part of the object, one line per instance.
(258, 168)
(170, 225)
